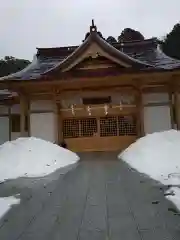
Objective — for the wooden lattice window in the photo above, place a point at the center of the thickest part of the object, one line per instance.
(71, 128)
(127, 125)
(88, 127)
(108, 126)
(84, 127)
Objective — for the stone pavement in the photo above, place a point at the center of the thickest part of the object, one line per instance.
(99, 199)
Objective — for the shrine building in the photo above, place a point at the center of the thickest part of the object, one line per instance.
(97, 96)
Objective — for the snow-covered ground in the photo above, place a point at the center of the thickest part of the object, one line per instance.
(6, 203)
(30, 157)
(158, 155)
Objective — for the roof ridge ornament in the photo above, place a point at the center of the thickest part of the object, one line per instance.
(93, 27)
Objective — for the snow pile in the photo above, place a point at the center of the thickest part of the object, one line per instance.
(32, 157)
(174, 196)
(157, 155)
(6, 203)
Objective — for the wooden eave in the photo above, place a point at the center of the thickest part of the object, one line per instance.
(48, 85)
(113, 53)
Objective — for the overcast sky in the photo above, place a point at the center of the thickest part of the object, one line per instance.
(27, 24)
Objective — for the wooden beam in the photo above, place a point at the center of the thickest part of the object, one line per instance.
(23, 111)
(28, 117)
(140, 114)
(60, 123)
(176, 109)
(56, 126)
(97, 92)
(10, 121)
(57, 120)
(171, 105)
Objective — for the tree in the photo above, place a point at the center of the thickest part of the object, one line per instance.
(171, 43)
(10, 65)
(128, 35)
(111, 40)
(100, 34)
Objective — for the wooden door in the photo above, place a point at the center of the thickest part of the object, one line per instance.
(107, 133)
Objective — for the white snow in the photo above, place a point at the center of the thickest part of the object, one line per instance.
(175, 198)
(158, 156)
(32, 157)
(6, 203)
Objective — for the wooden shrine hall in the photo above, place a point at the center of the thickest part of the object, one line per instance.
(97, 96)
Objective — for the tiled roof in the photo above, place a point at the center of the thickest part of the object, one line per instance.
(34, 70)
(146, 52)
(153, 55)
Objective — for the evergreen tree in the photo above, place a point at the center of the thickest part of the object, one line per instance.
(111, 40)
(171, 43)
(128, 35)
(10, 65)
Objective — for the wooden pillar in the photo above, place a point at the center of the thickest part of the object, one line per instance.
(28, 117)
(171, 105)
(60, 124)
(99, 127)
(23, 111)
(176, 110)
(10, 121)
(140, 114)
(58, 121)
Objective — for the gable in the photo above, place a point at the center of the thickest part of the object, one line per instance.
(99, 62)
(95, 52)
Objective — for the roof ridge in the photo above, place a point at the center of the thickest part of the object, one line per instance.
(134, 42)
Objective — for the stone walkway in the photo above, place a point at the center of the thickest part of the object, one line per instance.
(100, 199)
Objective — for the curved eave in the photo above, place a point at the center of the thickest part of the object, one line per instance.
(64, 76)
(146, 60)
(156, 57)
(95, 38)
(119, 54)
(35, 69)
